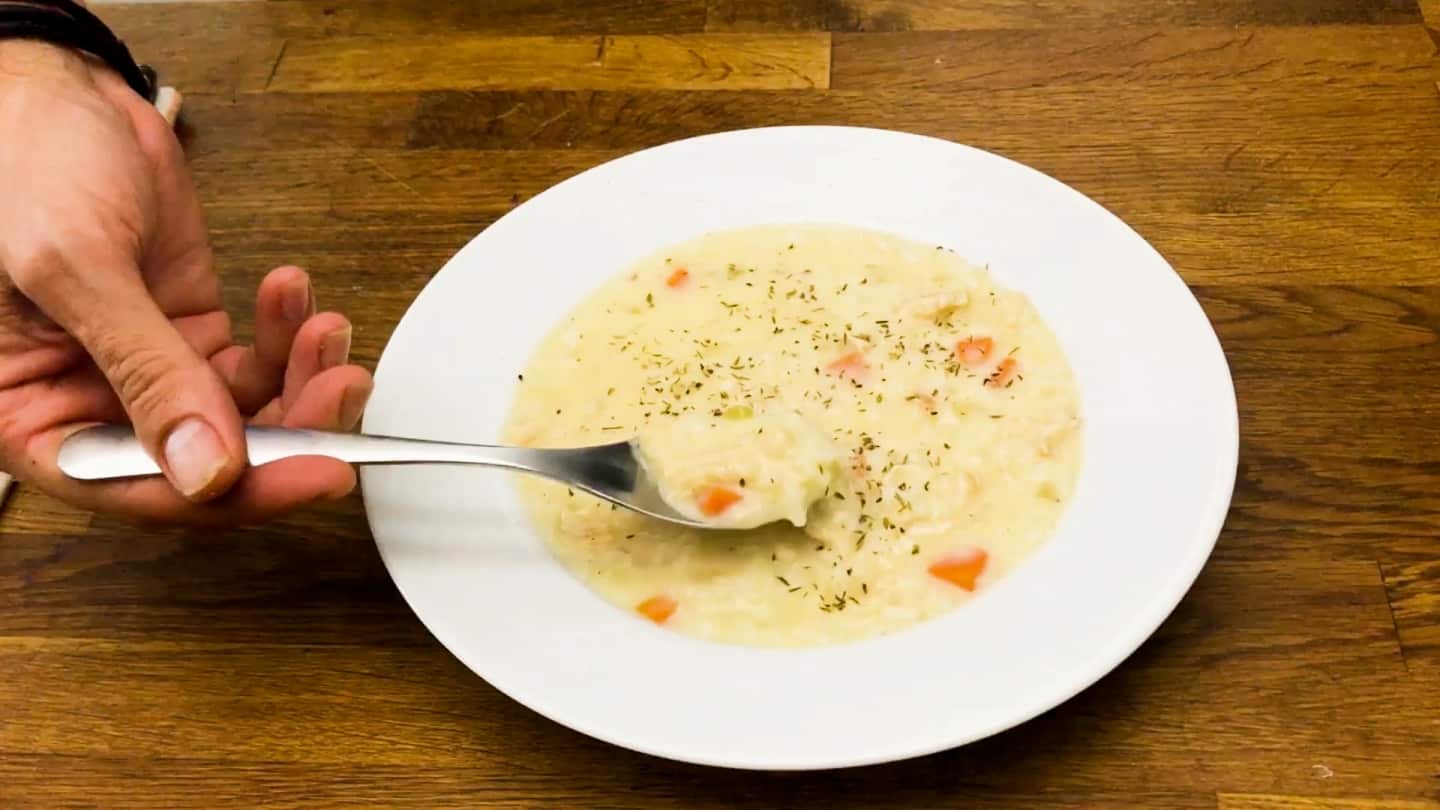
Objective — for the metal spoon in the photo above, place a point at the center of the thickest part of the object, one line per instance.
(608, 471)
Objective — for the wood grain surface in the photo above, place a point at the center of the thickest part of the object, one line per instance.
(1284, 155)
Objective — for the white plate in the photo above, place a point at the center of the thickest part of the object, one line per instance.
(1161, 442)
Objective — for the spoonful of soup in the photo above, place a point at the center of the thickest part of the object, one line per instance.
(614, 472)
(739, 469)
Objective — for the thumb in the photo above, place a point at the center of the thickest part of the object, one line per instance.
(180, 408)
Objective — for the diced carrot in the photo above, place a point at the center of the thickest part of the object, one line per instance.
(1004, 373)
(657, 608)
(973, 351)
(850, 365)
(961, 569)
(714, 500)
(678, 278)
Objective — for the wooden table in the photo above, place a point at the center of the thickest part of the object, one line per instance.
(1283, 154)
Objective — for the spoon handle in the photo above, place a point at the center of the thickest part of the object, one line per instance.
(114, 451)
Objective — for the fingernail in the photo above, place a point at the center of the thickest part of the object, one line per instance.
(195, 456)
(352, 405)
(335, 348)
(298, 302)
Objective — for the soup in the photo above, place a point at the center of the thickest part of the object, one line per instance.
(899, 430)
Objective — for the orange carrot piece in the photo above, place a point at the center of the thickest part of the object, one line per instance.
(973, 351)
(851, 365)
(1004, 374)
(678, 278)
(714, 500)
(961, 569)
(657, 608)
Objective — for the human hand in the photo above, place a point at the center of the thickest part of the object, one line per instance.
(110, 309)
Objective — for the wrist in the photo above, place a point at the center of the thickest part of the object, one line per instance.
(77, 31)
(27, 57)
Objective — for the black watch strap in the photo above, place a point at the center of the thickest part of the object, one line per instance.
(69, 24)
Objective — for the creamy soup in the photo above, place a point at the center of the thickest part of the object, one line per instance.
(740, 469)
(900, 431)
